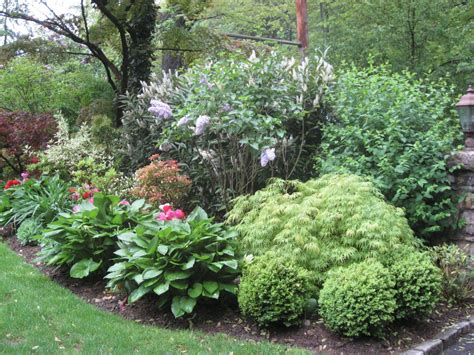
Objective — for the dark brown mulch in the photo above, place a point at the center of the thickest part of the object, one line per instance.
(224, 317)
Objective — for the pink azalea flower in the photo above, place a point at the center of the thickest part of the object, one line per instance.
(179, 214)
(165, 208)
(91, 200)
(162, 216)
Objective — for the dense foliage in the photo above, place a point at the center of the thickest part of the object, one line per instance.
(28, 229)
(323, 223)
(396, 130)
(85, 240)
(180, 261)
(457, 273)
(232, 122)
(359, 299)
(22, 132)
(41, 199)
(274, 291)
(417, 284)
(161, 182)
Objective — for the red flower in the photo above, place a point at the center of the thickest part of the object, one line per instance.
(86, 195)
(11, 183)
(34, 160)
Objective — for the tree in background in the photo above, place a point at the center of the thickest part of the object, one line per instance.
(5, 29)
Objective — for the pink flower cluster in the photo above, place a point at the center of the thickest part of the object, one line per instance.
(169, 214)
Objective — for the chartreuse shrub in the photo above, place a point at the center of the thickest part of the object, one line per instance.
(359, 299)
(273, 290)
(417, 284)
(180, 261)
(397, 130)
(332, 221)
(86, 239)
(457, 274)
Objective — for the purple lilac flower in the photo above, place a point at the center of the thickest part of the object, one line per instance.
(201, 124)
(267, 156)
(204, 81)
(160, 109)
(226, 108)
(184, 121)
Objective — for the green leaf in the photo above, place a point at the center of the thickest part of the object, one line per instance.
(151, 273)
(83, 268)
(188, 304)
(179, 284)
(138, 293)
(189, 264)
(198, 214)
(233, 264)
(195, 290)
(137, 205)
(176, 307)
(210, 286)
(162, 288)
(176, 275)
(162, 249)
(127, 236)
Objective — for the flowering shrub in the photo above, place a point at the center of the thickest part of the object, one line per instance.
(168, 214)
(160, 182)
(21, 132)
(233, 122)
(180, 261)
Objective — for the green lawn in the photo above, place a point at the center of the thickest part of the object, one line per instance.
(39, 316)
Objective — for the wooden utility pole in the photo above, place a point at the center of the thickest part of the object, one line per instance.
(302, 23)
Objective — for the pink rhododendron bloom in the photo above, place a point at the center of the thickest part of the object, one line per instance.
(165, 208)
(162, 216)
(91, 200)
(124, 203)
(168, 214)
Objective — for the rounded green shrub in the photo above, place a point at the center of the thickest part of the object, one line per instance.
(273, 291)
(417, 284)
(332, 221)
(359, 299)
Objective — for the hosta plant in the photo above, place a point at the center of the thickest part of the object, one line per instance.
(180, 261)
(85, 240)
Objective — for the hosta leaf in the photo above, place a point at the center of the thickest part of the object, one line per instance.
(210, 286)
(189, 264)
(83, 268)
(176, 307)
(162, 288)
(176, 275)
(137, 205)
(188, 304)
(138, 293)
(198, 214)
(127, 236)
(233, 264)
(162, 249)
(151, 273)
(195, 290)
(228, 287)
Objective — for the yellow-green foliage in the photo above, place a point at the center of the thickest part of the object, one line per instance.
(334, 220)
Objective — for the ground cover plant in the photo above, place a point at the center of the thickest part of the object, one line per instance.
(181, 261)
(397, 130)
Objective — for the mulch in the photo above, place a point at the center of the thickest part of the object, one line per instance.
(223, 317)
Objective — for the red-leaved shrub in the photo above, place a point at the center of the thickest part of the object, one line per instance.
(21, 129)
(161, 182)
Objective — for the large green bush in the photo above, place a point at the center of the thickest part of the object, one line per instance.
(233, 121)
(334, 220)
(396, 130)
(180, 261)
(274, 291)
(359, 299)
(417, 284)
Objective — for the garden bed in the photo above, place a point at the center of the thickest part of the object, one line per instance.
(225, 317)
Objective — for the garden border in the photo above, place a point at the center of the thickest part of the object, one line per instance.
(443, 340)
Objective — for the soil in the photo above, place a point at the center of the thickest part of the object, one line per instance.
(224, 317)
